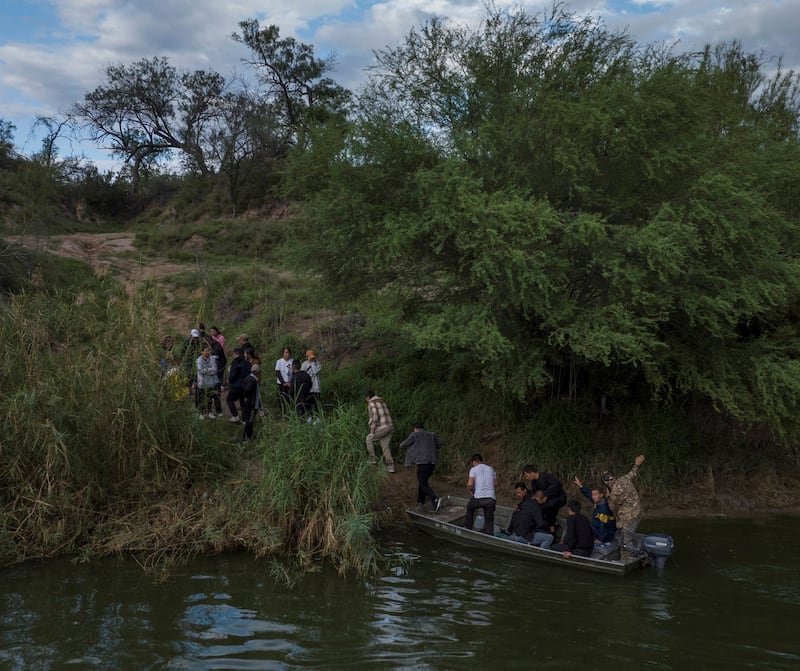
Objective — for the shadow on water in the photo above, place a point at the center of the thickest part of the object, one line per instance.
(729, 598)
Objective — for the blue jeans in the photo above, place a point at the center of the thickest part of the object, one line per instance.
(542, 540)
(511, 537)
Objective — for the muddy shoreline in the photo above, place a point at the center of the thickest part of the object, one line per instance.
(695, 501)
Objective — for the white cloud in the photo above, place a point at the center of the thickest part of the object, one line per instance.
(48, 73)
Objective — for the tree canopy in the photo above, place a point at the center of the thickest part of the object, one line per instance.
(542, 192)
(294, 82)
(148, 109)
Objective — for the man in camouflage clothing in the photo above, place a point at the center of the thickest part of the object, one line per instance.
(624, 501)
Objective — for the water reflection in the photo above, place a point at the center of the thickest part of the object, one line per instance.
(719, 604)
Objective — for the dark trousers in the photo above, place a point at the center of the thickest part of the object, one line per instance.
(551, 507)
(488, 506)
(302, 408)
(248, 403)
(235, 394)
(205, 398)
(424, 472)
(285, 398)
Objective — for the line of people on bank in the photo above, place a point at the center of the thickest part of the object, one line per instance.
(203, 361)
(615, 517)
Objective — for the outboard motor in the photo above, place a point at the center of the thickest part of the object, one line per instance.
(658, 547)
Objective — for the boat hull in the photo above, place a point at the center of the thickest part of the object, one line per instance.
(448, 525)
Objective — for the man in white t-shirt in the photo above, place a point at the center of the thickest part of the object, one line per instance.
(283, 376)
(480, 485)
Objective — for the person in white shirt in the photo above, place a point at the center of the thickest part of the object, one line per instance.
(283, 376)
(480, 485)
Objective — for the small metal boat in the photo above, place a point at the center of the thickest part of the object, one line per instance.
(448, 524)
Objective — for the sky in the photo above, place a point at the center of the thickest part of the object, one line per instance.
(52, 52)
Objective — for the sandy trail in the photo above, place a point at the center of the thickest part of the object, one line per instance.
(115, 255)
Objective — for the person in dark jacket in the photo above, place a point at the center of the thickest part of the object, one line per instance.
(239, 370)
(521, 525)
(527, 524)
(218, 351)
(578, 540)
(300, 384)
(249, 397)
(422, 448)
(555, 496)
(542, 536)
(604, 525)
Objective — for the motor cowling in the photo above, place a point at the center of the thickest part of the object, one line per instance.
(658, 547)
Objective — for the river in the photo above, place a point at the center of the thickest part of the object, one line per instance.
(728, 599)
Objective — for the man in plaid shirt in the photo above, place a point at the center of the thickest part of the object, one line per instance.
(381, 428)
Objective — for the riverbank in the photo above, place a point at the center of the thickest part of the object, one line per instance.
(716, 497)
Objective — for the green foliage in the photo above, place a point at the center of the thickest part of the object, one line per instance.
(35, 196)
(296, 89)
(6, 143)
(85, 417)
(545, 192)
(236, 241)
(105, 196)
(320, 489)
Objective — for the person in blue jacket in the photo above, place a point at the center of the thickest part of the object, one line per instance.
(604, 524)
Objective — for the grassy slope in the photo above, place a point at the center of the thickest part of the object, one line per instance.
(184, 489)
(695, 456)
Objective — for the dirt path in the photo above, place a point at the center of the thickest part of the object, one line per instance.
(115, 255)
(108, 253)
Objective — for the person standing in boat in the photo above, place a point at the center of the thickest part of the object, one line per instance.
(624, 501)
(422, 449)
(481, 486)
(555, 496)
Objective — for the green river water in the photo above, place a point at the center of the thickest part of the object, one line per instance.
(728, 599)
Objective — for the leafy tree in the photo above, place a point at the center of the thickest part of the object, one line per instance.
(244, 142)
(149, 109)
(6, 141)
(542, 193)
(295, 86)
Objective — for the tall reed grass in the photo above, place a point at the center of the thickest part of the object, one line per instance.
(85, 421)
(321, 489)
(97, 456)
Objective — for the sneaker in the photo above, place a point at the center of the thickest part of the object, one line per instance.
(211, 415)
(202, 416)
(438, 506)
(390, 468)
(234, 419)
